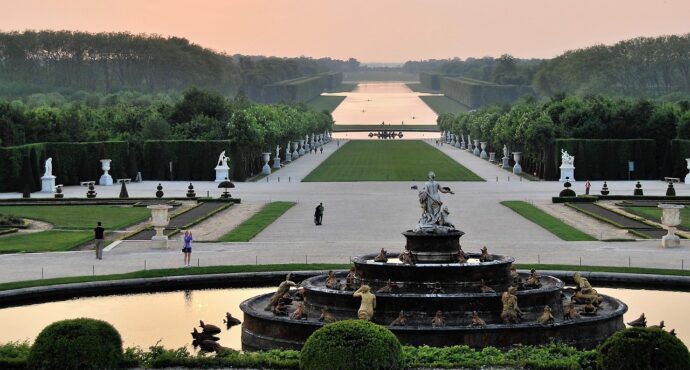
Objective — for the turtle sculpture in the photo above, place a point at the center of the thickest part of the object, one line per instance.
(199, 336)
(230, 321)
(208, 328)
(640, 322)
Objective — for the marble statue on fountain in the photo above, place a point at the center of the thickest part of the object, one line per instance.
(434, 214)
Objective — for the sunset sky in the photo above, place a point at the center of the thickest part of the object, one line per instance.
(369, 30)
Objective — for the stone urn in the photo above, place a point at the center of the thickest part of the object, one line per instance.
(670, 218)
(517, 169)
(483, 154)
(301, 147)
(687, 177)
(105, 179)
(476, 151)
(266, 169)
(160, 218)
(295, 150)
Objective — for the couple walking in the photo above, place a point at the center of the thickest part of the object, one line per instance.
(318, 214)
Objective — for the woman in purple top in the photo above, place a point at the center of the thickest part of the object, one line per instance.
(187, 248)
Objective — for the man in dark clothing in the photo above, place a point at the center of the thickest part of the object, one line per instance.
(98, 233)
(318, 214)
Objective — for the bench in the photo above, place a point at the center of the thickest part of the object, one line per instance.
(120, 181)
(87, 183)
(671, 179)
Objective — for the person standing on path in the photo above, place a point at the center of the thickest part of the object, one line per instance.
(318, 214)
(321, 148)
(587, 186)
(187, 247)
(98, 235)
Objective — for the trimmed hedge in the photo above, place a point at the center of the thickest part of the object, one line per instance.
(475, 93)
(430, 80)
(351, 345)
(606, 159)
(675, 164)
(302, 89)
(77, 344)
(191, 159)
(643, 348)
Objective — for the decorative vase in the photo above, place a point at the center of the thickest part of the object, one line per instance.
(517, 169)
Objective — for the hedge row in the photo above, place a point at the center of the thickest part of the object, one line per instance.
(606, 159)
(302, 89)
(475, 93)
(674, 162)
(430, 80)
(192, 160)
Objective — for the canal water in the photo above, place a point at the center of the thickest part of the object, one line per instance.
(169, 317)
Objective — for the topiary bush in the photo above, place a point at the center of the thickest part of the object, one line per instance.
(76, 344)
(351, 345)
(643, 348)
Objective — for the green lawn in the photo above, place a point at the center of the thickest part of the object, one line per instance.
(247, 230)
(323, 102)
(45, 241)
(81, 217)
(654, 214)
(388, 160)
(444, 104)
(548, 222)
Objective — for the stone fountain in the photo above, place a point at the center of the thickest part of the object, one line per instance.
(433, 293)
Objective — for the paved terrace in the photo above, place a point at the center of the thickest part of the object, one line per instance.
(362, 217)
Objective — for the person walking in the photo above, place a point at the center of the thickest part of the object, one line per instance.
(321, 148)
(187, 247)
(587, 186)
(318, 215)
(98, 235)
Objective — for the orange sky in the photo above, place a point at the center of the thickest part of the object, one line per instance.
(369, 30)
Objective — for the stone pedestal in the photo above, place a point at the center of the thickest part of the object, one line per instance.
(106, 179)
(506, 163)
(483, 154)
(687, 177)
(222, 173)
(48, 184)
(288, 156)
(670, 218)
(567, 171)
(295, 150)
(476, 148)
(458, 144)
(492, 157)
(517, 169)
(266, 169)
(463, 145)
(276, 163)
(301, 148)
(159, 220)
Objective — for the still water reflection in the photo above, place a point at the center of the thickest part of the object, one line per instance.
(389, 102)
(144, 319)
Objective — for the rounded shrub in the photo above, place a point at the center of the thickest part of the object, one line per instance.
(351, 345)
(643, 348)
(76, 344)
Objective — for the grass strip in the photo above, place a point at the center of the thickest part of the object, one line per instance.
(81, 217)
(45, 241)
(654, 214)
(176, 272)
(388, 160)
(616, 269)
(444, 104)
(548, 222)
(325, 102)
(247, 230)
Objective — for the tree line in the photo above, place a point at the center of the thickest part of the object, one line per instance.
(652, 67)
(531, 126)
(65, 61)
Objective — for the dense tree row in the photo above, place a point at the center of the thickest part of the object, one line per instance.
(64, 61)
(640, 67)
(532, 127)
(198, 115)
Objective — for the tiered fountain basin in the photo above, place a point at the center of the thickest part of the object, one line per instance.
(460, 296)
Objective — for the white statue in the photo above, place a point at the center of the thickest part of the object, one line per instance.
(434, 214)
(222, 160)
(505, 151)
(277, 150)
(49, 167)
(566, 159)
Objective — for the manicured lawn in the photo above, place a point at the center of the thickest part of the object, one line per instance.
(247, 230)
(45, 241)
(329, 103)
(548, 222)
(81, 217)
(654, 214)
(389, 160)
(444, 104)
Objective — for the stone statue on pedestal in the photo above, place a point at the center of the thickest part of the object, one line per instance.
(434, 216)
(222, 160)
(49, 167)
(366, 308)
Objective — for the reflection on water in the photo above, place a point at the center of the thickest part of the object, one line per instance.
(141, 319)
(390, 102)
(407, 135)
(144, 319)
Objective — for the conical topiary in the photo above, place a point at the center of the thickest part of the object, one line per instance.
(670, 191)
(123, 191)
(27, 191)
(638, 189)
(567, 192)
(190, 191)
(159, 191)
(605, 189)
